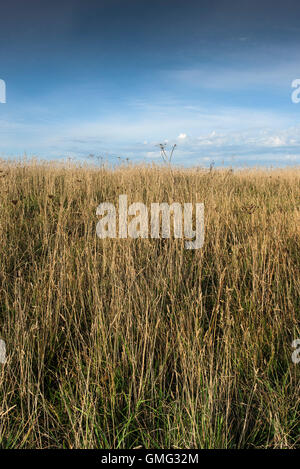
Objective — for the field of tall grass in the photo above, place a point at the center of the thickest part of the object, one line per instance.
(125, 343)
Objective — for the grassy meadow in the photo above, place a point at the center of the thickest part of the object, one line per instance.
(125, 343)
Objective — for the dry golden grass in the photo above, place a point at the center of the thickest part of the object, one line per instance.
(120, 343)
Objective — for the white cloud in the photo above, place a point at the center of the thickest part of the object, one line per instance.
(153, 154)
(292, 157)
(275, 141)
(218, 132)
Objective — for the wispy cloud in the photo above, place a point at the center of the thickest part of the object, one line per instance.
(256, 135)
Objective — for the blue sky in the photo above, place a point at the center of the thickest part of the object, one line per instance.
(117, 77)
